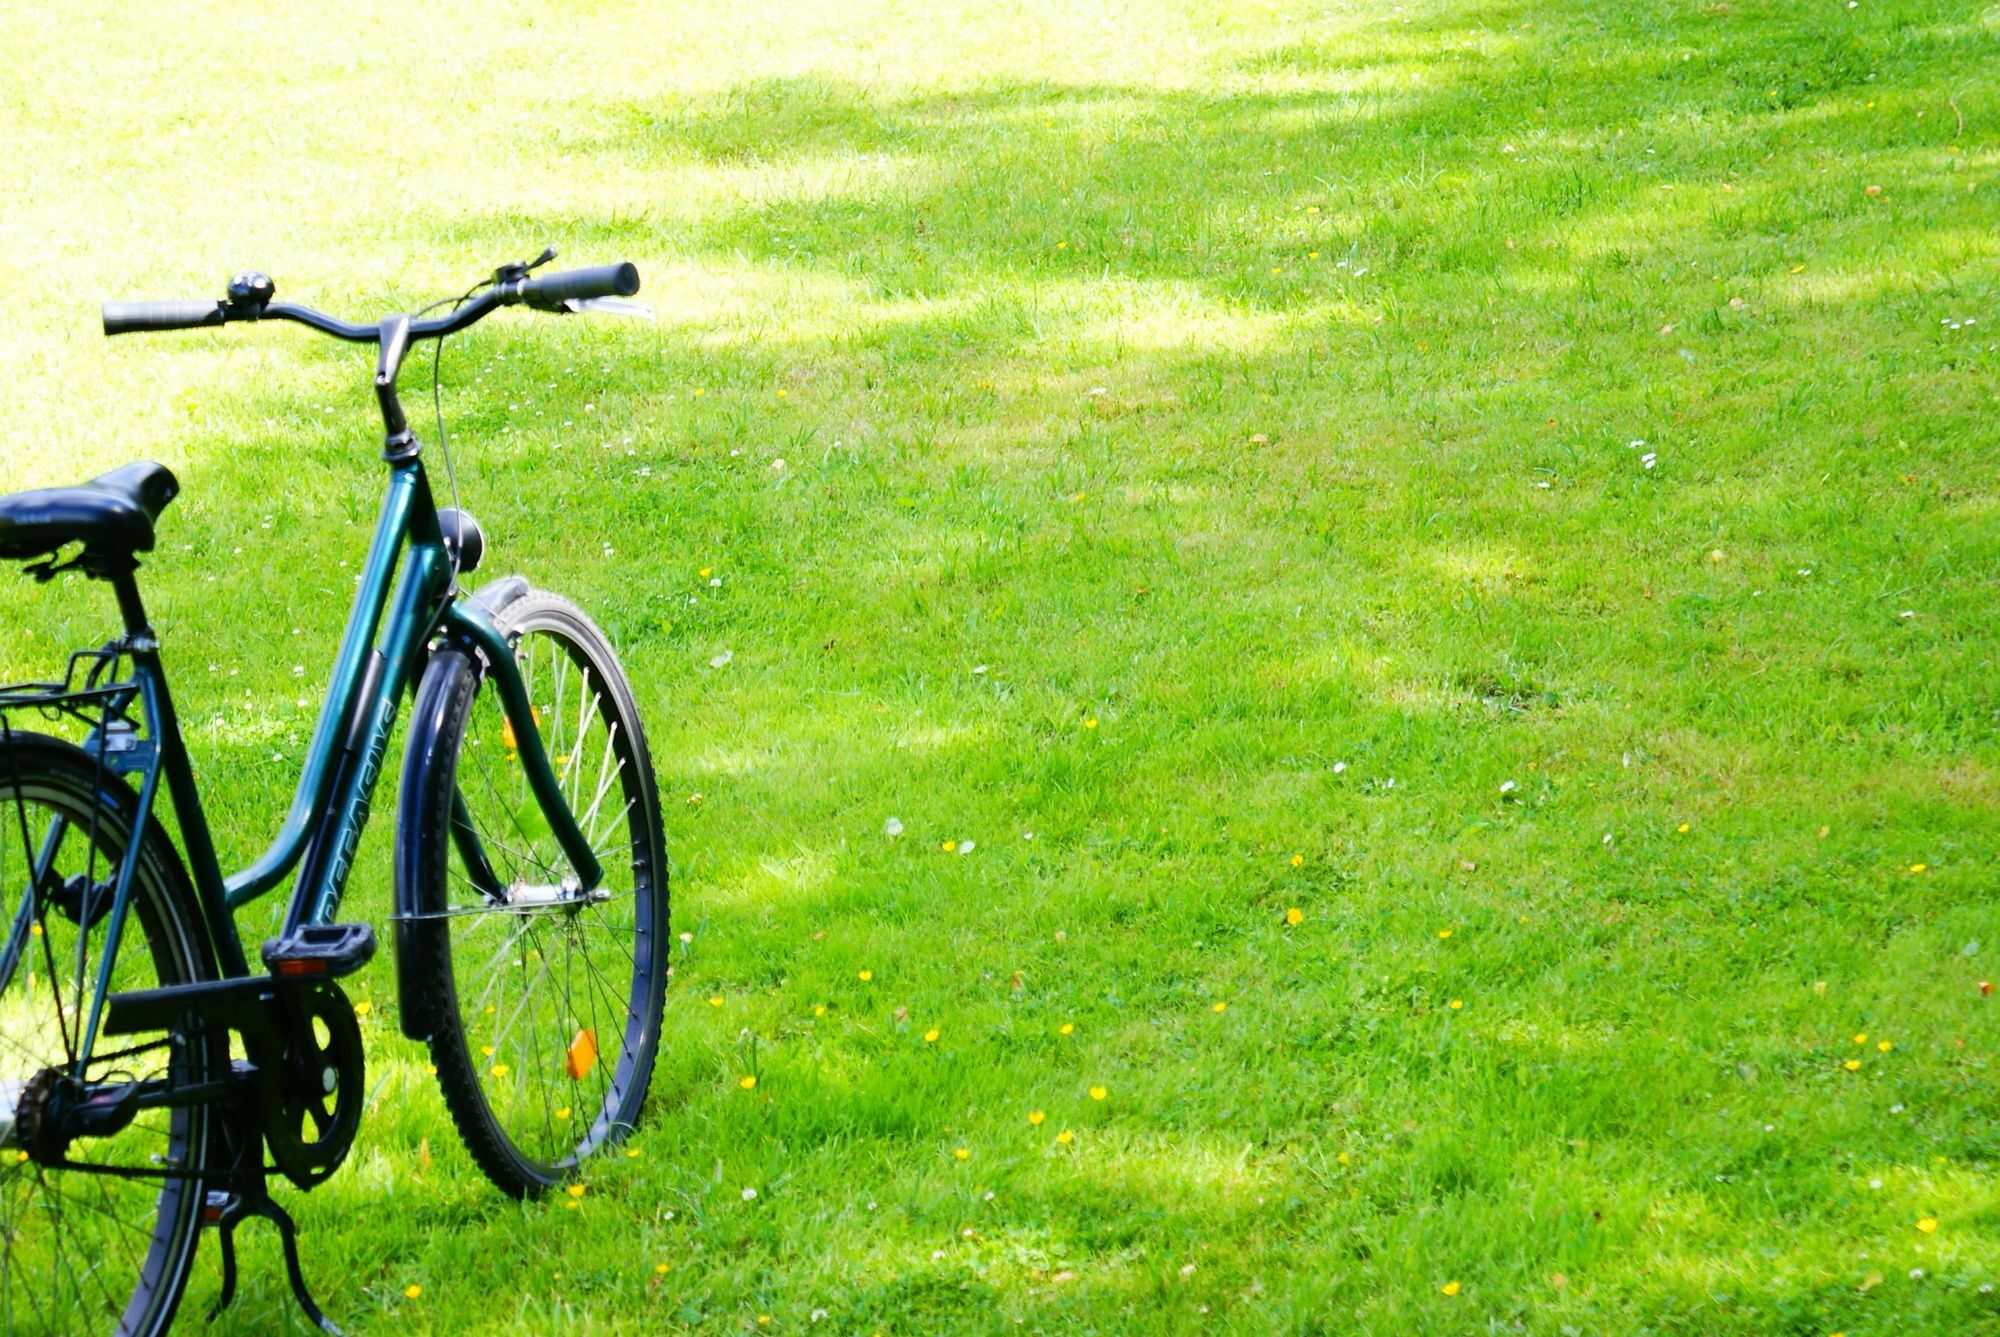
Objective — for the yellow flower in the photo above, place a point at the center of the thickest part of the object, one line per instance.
(948, 846)
(865, 975)
(707, 571)
(1884, 1046)
(631, 1153)
(1344, 1158)
(1067, 1028)
(1090, 724)
(1098, 1093)
(1457, 1003)
(962, 1154)
(1682, 828)
(1449, 1288)
(747, 1082)
(1312, 255)
(1443, 933)
(1065, 1137)
(1295, 916)
(1861, 1038)
(1852, 1065)
(1928, 1225)
(660, 1268)
(716, 1001)
(576, 1190)
(362, 1008)
(819, 1009)
(563, 1113)
(1035, 1117)
(1219, 1007)
(1298, 861)
(499, 1070)
(1916, 868)
(930, 1036)
(486, 1050)
(412, 1291)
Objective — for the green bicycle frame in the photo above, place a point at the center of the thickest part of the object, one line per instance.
(394, 621)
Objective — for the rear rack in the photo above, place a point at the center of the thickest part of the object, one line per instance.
(92, 693)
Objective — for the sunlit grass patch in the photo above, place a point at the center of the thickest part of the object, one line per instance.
(1459, 537)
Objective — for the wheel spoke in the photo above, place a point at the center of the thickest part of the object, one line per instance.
(527, 990)
(78, 1249)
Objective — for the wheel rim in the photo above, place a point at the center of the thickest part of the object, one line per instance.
(554, 1002)
(83, 1251)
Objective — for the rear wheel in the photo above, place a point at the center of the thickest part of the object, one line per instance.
(547, 1002)
(85, 1250)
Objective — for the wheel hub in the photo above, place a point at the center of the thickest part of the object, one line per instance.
(52, 1109)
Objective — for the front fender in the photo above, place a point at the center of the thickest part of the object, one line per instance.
(423, 824)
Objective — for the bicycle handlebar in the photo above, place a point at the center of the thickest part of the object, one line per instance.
(136, 317)
(580, 285)
(551, 293)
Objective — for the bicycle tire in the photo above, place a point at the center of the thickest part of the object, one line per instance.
(151, 1229)
(528, 1103)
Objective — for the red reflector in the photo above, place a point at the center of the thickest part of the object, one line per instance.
(211, 1214)
(299, 966)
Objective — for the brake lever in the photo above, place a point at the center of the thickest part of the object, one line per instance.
(521, 269)
(607, 306)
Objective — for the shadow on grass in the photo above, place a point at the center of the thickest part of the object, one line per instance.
(954, 495)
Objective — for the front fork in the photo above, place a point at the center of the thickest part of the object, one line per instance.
(472, 627)
(468, 622)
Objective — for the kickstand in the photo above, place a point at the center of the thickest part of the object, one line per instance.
(226, 1211)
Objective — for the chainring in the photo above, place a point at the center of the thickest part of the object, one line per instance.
(310, 1124)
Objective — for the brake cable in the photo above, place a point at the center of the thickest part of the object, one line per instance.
(437, 394)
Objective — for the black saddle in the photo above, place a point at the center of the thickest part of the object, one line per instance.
(112, 513)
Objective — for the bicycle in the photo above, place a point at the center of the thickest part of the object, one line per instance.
(150, 1089)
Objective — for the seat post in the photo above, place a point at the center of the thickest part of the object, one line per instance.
(124, 578)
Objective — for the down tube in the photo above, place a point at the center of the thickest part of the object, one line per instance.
(411, 620)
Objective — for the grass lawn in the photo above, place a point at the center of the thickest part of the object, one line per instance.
(1420, 580)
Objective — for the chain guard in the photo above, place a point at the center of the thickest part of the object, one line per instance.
(311, 1117)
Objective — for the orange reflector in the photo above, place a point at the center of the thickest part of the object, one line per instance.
(582, 1055)
(301, 966)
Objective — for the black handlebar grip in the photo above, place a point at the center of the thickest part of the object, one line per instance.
(548, 294)
(139, 317)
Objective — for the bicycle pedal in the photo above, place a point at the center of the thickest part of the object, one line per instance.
(322, 951)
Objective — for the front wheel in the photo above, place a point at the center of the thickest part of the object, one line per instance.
(546, 997)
